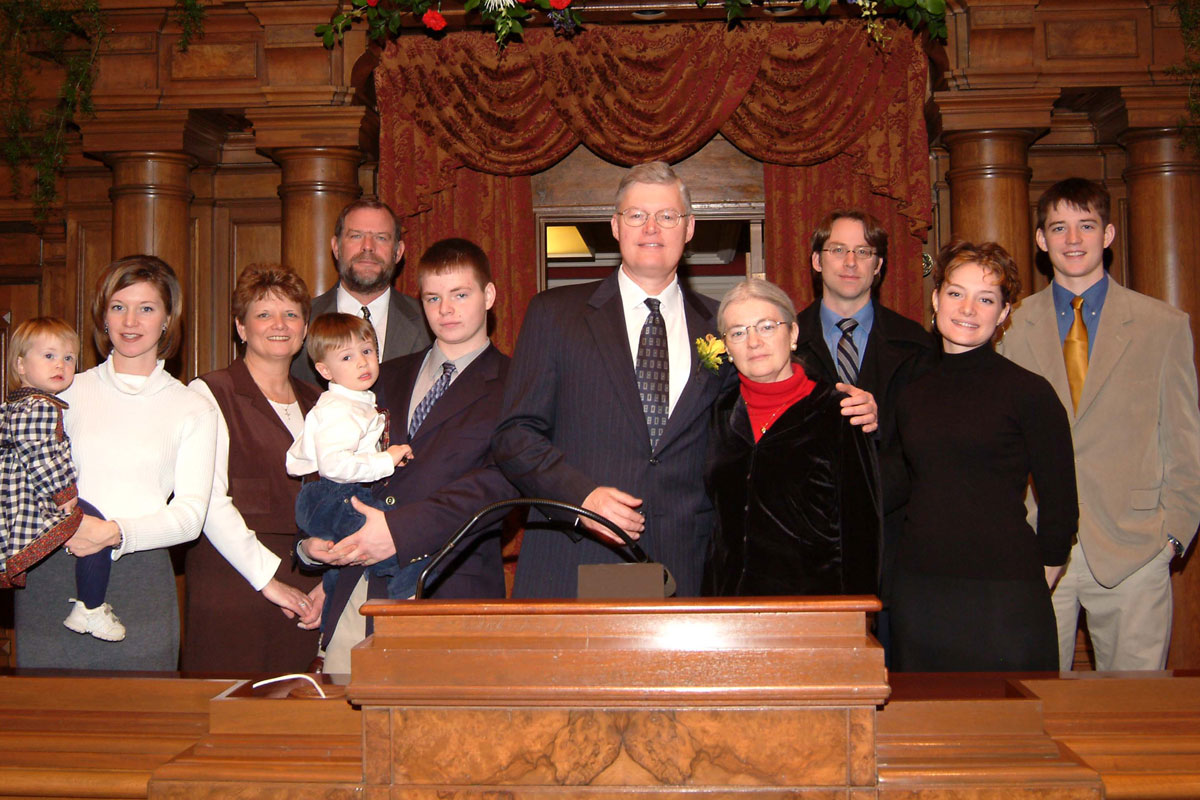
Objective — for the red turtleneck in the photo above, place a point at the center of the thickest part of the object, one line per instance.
(765, 402)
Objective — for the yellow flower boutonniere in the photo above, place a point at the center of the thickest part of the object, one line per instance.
(710, 349)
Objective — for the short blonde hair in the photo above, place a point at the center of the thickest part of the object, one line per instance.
(757, 289)
(331, 331)
(659, 172)
(125, 272)
(21, 339)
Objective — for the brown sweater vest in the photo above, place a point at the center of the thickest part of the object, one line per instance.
(259, 484)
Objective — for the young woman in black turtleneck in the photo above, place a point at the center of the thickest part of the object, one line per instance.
(972, 590)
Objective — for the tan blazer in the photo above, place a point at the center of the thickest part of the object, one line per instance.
(1137, 430)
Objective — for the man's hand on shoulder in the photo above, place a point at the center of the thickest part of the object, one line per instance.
(617, 506)
(859, 406)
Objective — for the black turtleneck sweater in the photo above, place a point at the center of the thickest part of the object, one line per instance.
(974, 429)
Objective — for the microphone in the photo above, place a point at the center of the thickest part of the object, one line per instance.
(637, 552)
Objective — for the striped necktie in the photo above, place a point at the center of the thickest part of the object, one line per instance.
(432, 396)
(847, 353)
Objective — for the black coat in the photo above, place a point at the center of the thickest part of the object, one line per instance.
(798, 512)
(898, 352)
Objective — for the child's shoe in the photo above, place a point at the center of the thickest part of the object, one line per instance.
(100, 622)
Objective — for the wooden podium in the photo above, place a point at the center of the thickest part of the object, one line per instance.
(750, 699)
(630, 699)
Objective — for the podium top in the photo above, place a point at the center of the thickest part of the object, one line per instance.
(855, 604)
(666, 653)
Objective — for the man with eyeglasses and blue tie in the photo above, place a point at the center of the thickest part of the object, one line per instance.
(847, 335)
(607, 403)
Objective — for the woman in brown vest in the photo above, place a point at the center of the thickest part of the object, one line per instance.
(246, 552)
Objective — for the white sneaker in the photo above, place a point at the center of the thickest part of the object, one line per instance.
(100, 622)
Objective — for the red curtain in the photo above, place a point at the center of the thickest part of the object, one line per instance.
(837, 120)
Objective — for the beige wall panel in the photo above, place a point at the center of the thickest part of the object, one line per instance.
(214, 62)
(718, 172)
(1001, 48)
(298, 66)
(119, 74)
(1075, 39)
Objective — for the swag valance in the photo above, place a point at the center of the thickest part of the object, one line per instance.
(835, 119)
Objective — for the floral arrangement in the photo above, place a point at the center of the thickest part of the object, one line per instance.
(710, 349)
(508, 17)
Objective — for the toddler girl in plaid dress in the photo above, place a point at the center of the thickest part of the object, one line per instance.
(41, 510)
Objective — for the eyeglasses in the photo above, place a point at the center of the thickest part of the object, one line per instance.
(636, 218)
(839, 251)
(766, 328)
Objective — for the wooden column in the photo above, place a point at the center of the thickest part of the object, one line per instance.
(319, 156)
(317, 183)
(1163, 181)
(151, 199)
(989, 191)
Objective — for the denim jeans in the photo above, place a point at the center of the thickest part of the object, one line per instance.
(323, 510)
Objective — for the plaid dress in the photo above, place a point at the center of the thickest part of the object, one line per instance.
(36, 475)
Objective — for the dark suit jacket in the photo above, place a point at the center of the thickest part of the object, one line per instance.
(898, 351)
(573, 421)
(406, 332)
(452, 475)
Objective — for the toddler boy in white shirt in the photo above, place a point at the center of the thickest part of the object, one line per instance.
(345, 441)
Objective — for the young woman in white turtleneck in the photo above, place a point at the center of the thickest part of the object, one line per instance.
(144, 445)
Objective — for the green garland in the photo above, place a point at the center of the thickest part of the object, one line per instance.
(45, 29)
(189, 16)
(1189, 26)
(507, 18)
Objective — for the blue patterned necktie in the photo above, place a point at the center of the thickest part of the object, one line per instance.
(432, 396)
(653, 378)
(847, 353)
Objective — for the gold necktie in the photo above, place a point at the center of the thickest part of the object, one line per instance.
(1075, 353)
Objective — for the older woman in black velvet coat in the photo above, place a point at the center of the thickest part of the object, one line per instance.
(795, 485)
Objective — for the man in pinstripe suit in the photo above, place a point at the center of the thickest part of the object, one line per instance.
(577, 424)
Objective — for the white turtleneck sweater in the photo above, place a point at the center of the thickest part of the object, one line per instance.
(144, 448)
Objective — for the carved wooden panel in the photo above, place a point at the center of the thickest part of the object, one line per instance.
(243, 233)
(90, 251)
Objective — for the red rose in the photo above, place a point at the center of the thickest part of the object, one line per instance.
(433, 20)
(559, 5)
(372, 3)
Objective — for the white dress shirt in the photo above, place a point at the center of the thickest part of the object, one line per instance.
(340, 440)
(347, 304)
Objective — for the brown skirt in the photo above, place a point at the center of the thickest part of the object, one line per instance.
(229, 627)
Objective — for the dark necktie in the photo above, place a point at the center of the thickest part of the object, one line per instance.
(432, 396)
(847, 353)
(653, 378)
(366, 312)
